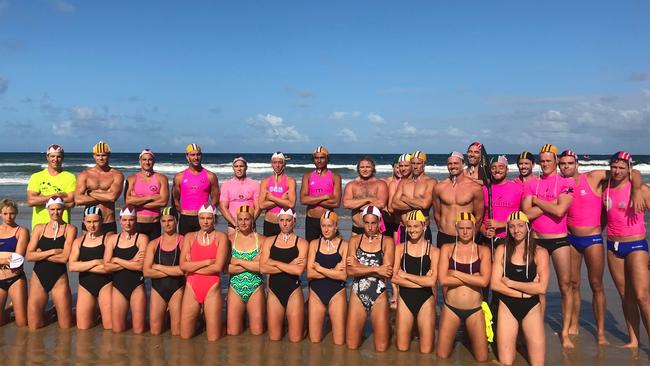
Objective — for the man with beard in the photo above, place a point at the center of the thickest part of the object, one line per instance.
(456, 193)
(506, 198)
(363, 191)
(473, 161)
(100, 186)
(192, 188)
(414, 193)
(525, 164)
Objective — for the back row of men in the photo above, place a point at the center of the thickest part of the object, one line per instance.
(565, 209)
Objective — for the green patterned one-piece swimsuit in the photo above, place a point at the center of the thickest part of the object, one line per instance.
(247, 282)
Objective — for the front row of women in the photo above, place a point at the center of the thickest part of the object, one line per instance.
(112, 269)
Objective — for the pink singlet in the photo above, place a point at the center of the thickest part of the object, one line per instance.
(319, 186)
(506, 198)
(520, 183)
(277, 190)
(144, 189)
(621, 218)
(239, 193)
(195, 189)
(549, 189)
(202, 283)
(585, 208)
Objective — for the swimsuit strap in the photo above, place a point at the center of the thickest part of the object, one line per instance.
(274, 240)
(82, 240)
(339, 246)
(295, 244)
(256, 241)
(360, 240)
(318, 249)
(16, 232)
(234, 240)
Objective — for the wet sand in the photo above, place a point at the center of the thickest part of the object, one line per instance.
(55, 346)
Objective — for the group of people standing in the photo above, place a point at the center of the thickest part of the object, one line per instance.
(495, 240)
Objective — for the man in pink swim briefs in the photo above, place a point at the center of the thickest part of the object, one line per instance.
(238, 191)
(506, 198)
(320, 191)
(546, 202)
(192, 188)
(277, 192)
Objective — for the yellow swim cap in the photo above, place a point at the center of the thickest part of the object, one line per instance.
(245, 209)
(192, 147)
(416, 215)
(101, 148)
(321, 149)
(330, 215)
(420, 155)
(462, 216)
(518, 215)
(548, 148)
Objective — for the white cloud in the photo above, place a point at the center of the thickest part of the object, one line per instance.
(376, 119)
(63, 6)
(83, 121)
(337, 116)
(273, 129)
(184, 140)
(4, 85)
(347, 135)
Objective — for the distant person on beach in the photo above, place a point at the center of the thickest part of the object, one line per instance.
(627, 247)
(49, 247)
(237, 192)
(148, 192)
(162, 264)
(326, 271)
(13, 246)
(546, 203)
(520, 274)
(414, 193)
(95, 285)
(525, 165)
(415, 270)
(100, 185)
(363, 191)
(452, 195)
(474, 157)
(192, 188)
(370, 263)
(320, 191)
(49, 182)
(124, 257)
(203, 257)
(283, 259)
(276, 192)
(586, 237)
(506, 198)
(464, 270)
(246, 291)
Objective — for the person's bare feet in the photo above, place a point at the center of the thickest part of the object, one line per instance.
(566, 341)
(602, 341)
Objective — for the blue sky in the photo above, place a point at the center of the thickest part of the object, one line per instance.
(355, 76)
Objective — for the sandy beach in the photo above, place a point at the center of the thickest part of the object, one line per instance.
(95, 346)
